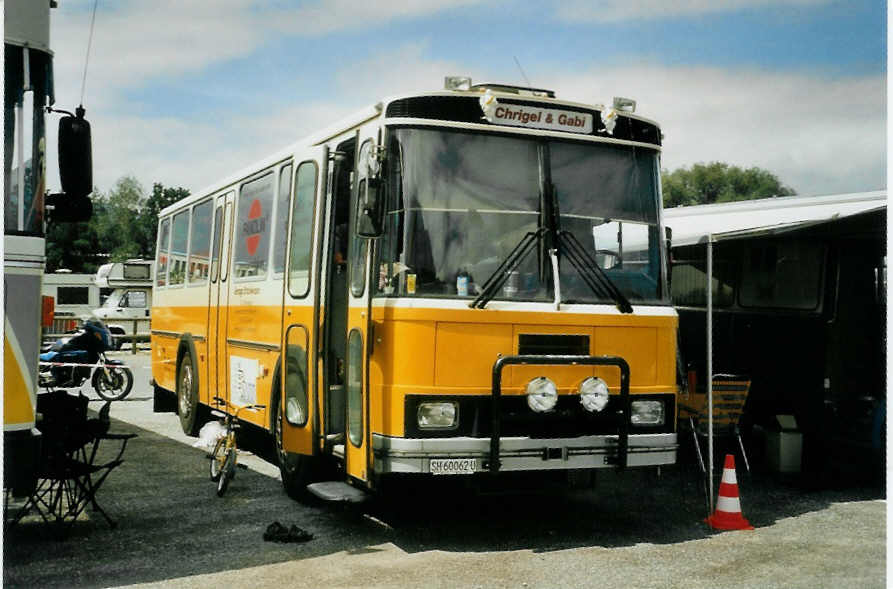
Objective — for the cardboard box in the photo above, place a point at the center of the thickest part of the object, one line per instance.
(784, 445)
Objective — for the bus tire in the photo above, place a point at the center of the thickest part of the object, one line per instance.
(296, 470)
(187, 394)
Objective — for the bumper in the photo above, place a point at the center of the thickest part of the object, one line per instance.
(400, 455)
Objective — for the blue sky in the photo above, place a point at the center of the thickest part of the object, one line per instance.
(183, 92)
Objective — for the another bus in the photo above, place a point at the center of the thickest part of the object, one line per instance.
(458, 282)
(27, 94)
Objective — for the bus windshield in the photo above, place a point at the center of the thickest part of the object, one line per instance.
(459, 203)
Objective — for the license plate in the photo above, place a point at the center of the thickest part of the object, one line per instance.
(452, 465)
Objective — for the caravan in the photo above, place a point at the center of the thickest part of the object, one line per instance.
(126, 310)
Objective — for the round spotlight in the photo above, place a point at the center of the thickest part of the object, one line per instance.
(541, 394)
(594, 394)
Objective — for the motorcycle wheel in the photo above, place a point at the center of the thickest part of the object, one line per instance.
(114, 386)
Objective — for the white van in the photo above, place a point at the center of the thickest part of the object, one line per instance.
(131, 300)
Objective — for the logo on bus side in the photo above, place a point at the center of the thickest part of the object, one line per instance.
(254, 227)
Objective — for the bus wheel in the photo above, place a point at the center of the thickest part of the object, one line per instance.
(296, 470)
(187, 395)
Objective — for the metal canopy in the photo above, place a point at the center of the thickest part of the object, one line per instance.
(769, 216)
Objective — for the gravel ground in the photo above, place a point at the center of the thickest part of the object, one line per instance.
(633, 529)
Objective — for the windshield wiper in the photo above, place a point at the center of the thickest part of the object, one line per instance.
(512, 261)
(593, 275)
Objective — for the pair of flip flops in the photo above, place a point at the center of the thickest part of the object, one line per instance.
(276, 532)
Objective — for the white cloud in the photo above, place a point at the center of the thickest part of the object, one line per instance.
(611, 11)
(818, 134)
(136, 41)
(321, 18)
(402, 70)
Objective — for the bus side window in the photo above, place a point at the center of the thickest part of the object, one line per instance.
(281, 219)
(302, 230)
(251, 244)
(199, 242)
(179, 241)
(164, 236)
(215, 246)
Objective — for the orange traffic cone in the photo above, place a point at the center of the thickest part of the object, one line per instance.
(728, 508)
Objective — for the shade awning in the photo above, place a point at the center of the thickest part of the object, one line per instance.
(746, 219)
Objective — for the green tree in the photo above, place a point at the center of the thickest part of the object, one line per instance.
(146, 225)
(116, 227)
(123, 225)
(719, 182)
(75, 246)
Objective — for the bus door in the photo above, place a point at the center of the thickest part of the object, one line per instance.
(300, 370)
(357, 444)
(219, 296)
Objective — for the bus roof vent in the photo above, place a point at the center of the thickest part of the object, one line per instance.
(519, 90)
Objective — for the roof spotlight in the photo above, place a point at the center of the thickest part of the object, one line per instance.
(457, 83)
(624, 104)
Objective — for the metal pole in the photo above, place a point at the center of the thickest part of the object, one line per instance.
(710, 366)
(20, 127)
(133, 341)
(20, 171)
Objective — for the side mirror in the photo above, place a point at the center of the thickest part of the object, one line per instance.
(67, 209)
(669, 237)
(75, 155)
(370, 208)
(73, 205)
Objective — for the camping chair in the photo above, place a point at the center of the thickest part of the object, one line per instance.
(68, 475)
(729, 396)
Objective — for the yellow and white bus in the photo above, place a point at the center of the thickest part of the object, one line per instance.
(464, 281)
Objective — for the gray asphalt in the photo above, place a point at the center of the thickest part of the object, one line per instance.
(632, 530)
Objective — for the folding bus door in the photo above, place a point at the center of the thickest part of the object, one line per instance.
(357, 443)
(302, 299)
(219, 295)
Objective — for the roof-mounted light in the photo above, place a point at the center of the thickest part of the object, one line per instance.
(460, 83)
(624, 104)
(519, 90)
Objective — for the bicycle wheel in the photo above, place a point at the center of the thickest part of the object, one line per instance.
(218, 457)
(227, 472)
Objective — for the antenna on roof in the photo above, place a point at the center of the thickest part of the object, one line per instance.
(523, 75)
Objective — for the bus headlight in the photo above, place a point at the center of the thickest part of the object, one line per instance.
(647, 413)
(441, 415)
(594, 394)
(541, 394)
(293, 411)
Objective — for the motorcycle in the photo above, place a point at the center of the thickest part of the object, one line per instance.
(72, 359)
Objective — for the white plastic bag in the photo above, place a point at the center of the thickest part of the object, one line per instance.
(209, 434)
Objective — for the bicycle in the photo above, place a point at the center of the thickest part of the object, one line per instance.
(224, 457)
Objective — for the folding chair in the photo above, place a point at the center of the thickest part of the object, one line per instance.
(68, 476)
(729, 396)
